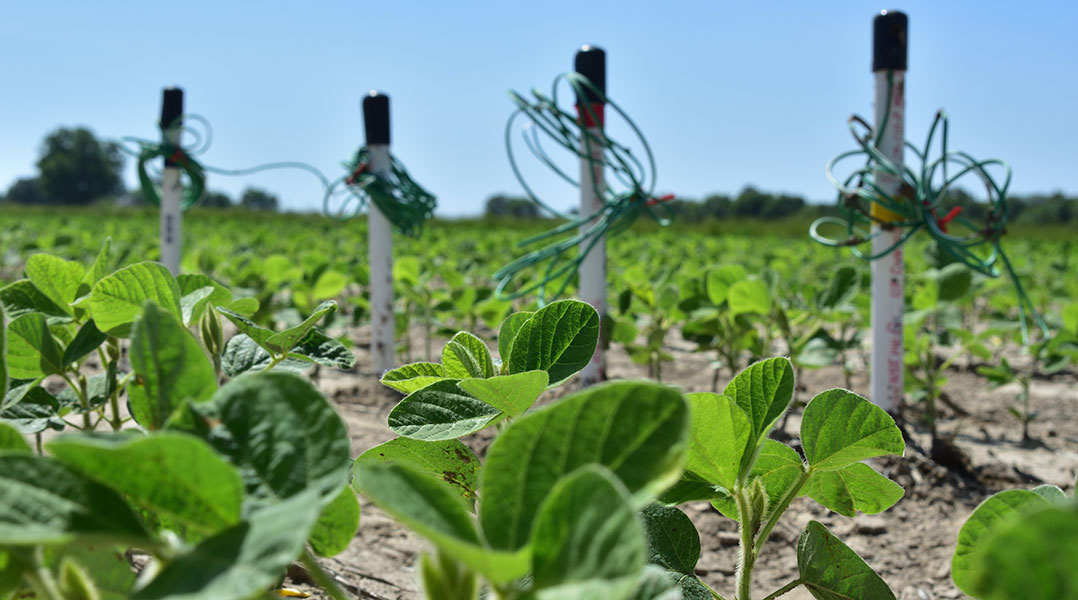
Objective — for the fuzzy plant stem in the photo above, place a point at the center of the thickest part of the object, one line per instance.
(782, 590)
(748, 554)
(321, 577)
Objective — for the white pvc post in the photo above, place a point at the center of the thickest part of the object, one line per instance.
(591, 62)
(380, 237)
(888, 272)
(171, 188)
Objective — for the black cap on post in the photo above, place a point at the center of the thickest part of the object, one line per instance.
(591, 63)
(376, 118)
(171, 113)
(889, 34)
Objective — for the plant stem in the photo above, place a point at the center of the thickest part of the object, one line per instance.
(323, 579)
(748, 550)
(276, 359)
(42, 580)
(715, 595)
(780, 508)
(83, 401)
(782, 590)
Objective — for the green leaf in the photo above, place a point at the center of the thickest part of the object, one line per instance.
(117, 300)
(636, 429)
(337, 524)
(673, 541)
(587, 542)
(31, 349)
(1050, 493)
(840, 289)
(88, 339)
(1032, 558)
(31, 409)
(720, 279)
(778, 467)
(440, 411)
(987, 518)
(448, 460)
(99, 268)
(284, 341)
(764, 391)
(3, 355)
(430, 508)
(12, 441)
(319, 348)
(954, 281)
(330, 284)
(56, 278)
(853, 488)
(242, 354)
(749, 296)
(1069, 316)
(410, 378)
(656, 583)
(831, 571)
(21, 297)
(283, 435)
(241, 562)
(45, 502)
(193, 304)
(559, 338)
(168, 473)
(719, 435)
(107, 566)
(839, 428)
(508, 332)
(246, 326)
(11, 571)
(691, 488)
(511, 394)
(244, 306)
(467, 356)
(170, 367)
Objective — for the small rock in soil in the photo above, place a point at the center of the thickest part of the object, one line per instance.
(870, 525)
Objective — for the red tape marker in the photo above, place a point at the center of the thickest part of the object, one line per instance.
(948, 218)
(660, 199)
(584, 116)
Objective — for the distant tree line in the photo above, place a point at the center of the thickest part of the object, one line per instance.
(752, 203)
(77, 169)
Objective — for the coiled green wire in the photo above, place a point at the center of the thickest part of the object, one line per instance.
(147, 151)
(403, 201)
(619, 210)
(399, 197)
(919, 200)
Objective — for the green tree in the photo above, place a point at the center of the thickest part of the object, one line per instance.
(76, 168)
(256, 199)
(217, 200)
(500, 205)
(26, 190)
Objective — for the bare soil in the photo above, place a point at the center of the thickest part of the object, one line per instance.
(910, 545)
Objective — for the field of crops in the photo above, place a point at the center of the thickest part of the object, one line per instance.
(99, 339)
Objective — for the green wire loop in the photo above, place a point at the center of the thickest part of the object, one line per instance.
(146, 151)
(921, 197)
(546, 118)
(403, 201)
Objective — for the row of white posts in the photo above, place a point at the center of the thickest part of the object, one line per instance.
(889, 56)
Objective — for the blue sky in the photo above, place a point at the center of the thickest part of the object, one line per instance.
(728, 94)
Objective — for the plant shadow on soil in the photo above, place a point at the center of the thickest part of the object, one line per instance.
(910, 545)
